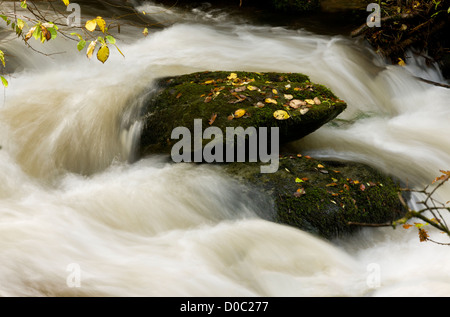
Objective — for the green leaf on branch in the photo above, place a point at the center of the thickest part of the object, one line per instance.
(81, 44)
(20, 23)
(110, 39)
(37, 32)
(4, 81)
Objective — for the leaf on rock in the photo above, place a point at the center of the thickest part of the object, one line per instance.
(281, 115)
(304, 110)
(239, 113)
(213, 118)
(232, 76)
(300, 192)
(295, 103)
(270, 100)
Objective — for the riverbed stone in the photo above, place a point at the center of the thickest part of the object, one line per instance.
(327, 198)
(236, 100)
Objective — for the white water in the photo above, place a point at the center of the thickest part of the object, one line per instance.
(69, 198)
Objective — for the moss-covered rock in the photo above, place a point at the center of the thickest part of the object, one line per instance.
(214, 97)
(324, 197)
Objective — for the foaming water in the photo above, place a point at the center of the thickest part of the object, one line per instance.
(73, 196)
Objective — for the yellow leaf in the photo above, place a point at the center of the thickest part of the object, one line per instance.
(103, 53)
(101, 24)
(66, 2)
(320, 166)
(232, 76)
(91, 25)
(91, 49)
(239, 113)
(275, 91)
(270, 100)
(401, 62)
(251, 87)
(281, 115)
(145, 32)
(310, 101)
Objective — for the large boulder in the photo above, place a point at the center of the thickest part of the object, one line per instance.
(327, 198)
(290, 102)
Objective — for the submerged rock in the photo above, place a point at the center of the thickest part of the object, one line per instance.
(323, 197)
(289, 101)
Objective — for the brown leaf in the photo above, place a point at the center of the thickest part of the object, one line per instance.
(213, 118)
(179, 95)
(423, 235)
(46, 33)
(300, 192)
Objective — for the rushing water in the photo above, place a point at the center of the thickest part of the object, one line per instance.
(73, 200)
